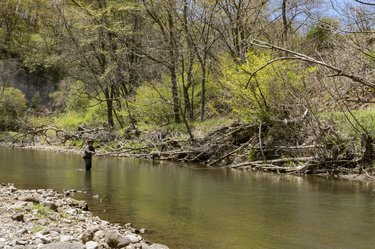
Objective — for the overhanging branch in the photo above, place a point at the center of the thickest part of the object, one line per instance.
(303, 57)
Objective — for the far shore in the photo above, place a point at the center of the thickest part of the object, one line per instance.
(363, 177)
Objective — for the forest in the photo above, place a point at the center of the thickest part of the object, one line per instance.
(274, 85)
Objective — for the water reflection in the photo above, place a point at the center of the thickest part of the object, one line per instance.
(87, 183)
(188, 207)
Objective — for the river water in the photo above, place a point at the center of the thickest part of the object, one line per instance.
(187, 207)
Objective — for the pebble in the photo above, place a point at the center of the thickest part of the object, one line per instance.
(18, 217)
(133, 238)
(92, 245)
(66, 238)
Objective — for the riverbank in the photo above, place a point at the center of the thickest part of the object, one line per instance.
(349, 173)
(283, 147)
(47, 219)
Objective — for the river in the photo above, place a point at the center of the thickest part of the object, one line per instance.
(190, 207)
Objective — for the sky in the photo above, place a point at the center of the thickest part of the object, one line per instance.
(337, 9)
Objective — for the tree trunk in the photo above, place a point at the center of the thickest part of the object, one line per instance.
(285, 21)
(188, 105)
(185, 90)
(109, 103)
(367, 148)
(176, 105)
(172, 69)
(203, 90)
(190, 83)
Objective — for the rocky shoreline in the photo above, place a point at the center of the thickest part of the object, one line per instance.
(44, 218)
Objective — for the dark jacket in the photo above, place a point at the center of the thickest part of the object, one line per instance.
(89, 151)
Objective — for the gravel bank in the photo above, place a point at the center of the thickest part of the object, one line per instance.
(44, 218)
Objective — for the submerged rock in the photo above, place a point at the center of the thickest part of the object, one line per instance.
(115, 240)
(157, 246)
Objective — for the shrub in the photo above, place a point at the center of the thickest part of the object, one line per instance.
(152, 103)
(269, 93)
(12, 107)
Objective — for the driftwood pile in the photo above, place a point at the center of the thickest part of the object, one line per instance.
(247, 146)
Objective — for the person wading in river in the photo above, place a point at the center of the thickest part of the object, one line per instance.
(87, 154)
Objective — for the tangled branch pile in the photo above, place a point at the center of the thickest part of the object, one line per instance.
(284, 147)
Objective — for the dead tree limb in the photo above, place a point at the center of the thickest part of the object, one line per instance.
(283, 160)
(232, 152)
(260, 141)
(299, 56)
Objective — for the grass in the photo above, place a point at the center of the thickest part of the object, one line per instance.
(10, 135)
(203, 128)
(41, 210)
(70, 120)
(352, 124)
(37, 229)
(39, 120)
(199, 128)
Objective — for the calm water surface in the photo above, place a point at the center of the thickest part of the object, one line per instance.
(206, 208)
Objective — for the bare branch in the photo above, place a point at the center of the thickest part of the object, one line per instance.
(366, 3)
(303, 57)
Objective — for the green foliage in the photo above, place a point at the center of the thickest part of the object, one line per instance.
(18, 24)
(76, 143)
(76, 98)
(90, 116)
(201, 129)
(320, 35)
(35, 101)
(153, 103)
(267, 93)
(251, 154)
(40, 120)
(42, 211)
(77, 107)
(216, 106)
(350, 125)
(37, 229)
(12, 107)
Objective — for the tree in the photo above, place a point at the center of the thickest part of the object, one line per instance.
(237, 21)
(98, 33)
(269, 94)
(161, 14)
(198, 21)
